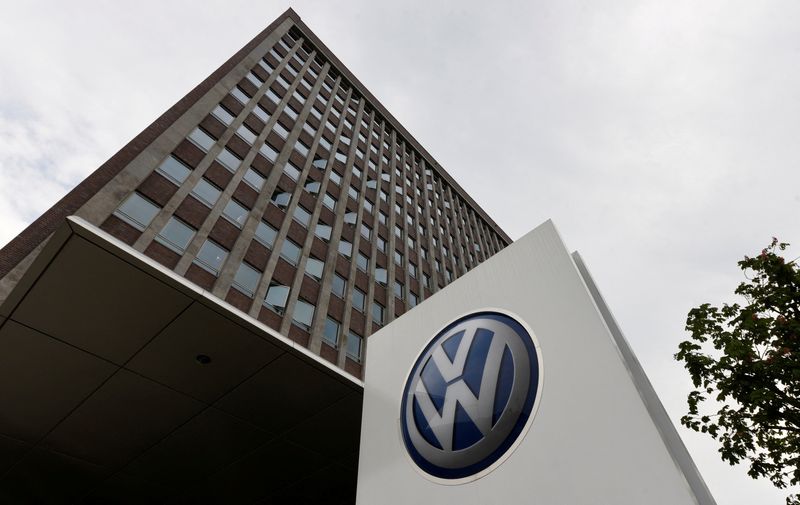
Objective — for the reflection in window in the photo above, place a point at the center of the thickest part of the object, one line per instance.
(277, 294)
(137, 211)
(211, 257)
(246, 279)
(176, 235)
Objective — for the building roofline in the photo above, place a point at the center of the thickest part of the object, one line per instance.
(35, 233)
(379, 107)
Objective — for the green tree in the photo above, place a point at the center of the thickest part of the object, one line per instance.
(744, 361)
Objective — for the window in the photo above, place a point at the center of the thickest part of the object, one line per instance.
(313, 187)
(261, 113)
(202, 139)
(302, 216)
(366, 231)
(382, 218)
(362, 262)
(323, 231)
(211, 257)
(137, 211)
(314, 268)
(281, 198)
(378, 311)
(269, 152)
(254, 179)
(413, 301)
(398, 258)
(273, 96)
(277, 294)
(246, 134)
(398, 289)
(381, 244)
(350, 218)
(290, 112)
(353, 192)
(236, 213)
(290, 251)
(423, 252)
(176, 235)
(266, 234)
(336, 178)
(381, 276)
(340, 157)
(229, 160)
(329, 201)
(353, 346)
(174, 170)
(240, 95)
(246, 279)
(222, 114)
(359, 298)
(368, 206)
(398, 232)
(280, 130)
(303, 314)
(412, 269)
(345, 248)
(448, 275)
(320, 163)
(292, 171)
(330, 334)
(254, 79)
(338, 286)
(301, 148)
(206, 192)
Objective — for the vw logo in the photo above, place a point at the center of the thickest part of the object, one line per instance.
(470, 396)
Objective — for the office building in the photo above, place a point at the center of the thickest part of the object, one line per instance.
(282, 186)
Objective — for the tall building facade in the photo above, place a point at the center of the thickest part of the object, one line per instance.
(282, 186)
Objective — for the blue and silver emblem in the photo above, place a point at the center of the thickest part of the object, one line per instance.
(470, 396)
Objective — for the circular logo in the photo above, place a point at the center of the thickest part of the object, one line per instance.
(470, 396)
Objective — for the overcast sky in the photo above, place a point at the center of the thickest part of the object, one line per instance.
(661, 137)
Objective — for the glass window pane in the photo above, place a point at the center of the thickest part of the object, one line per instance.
(329, 201)
(345, 248)
(236, 213)
(381, 276)
(246, 279)
(222, 114)
(261, 113)
(314, 268)
(353, 346)
(176, 235)
(174, 170)
(229, 160)
(303, 314)
(211, 256)
(323, 231)
(377, 312)
(358, 299)
(254, 179)
(269, 152)
(239, 95)
(201, 139)
(338, 286)
(206, 192)
(246, 134)
(292, 171)
(331, 332)
(362, 262)
(277, 295)
(302, 216)
(266, 234)
(137, 211)
(290, 251)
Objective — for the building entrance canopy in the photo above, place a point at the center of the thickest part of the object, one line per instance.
(121, 382)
